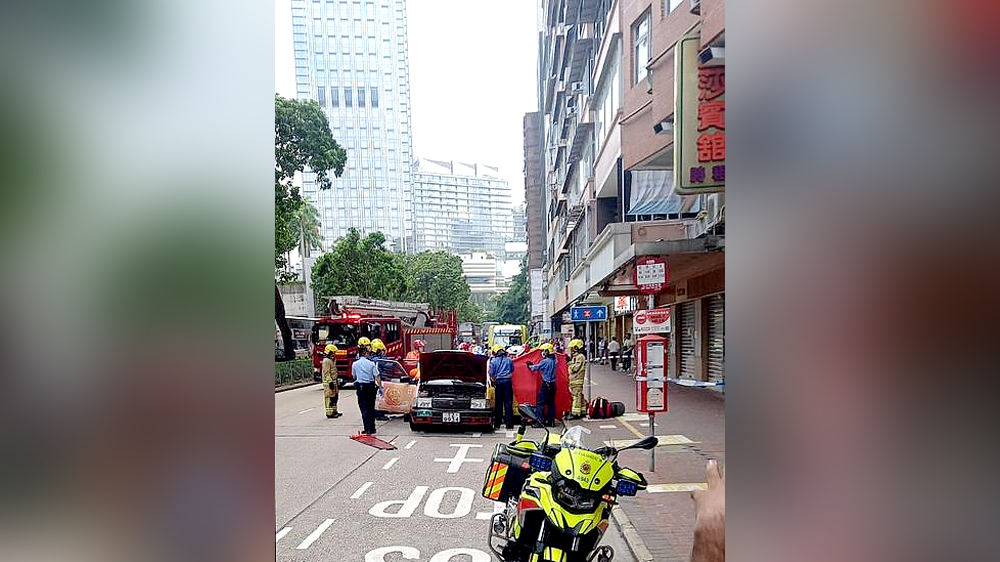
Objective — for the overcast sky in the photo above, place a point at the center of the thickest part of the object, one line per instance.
(472, 79)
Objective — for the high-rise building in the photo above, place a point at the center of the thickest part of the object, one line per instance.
(351, 57)
(534, 196)
(461, 208)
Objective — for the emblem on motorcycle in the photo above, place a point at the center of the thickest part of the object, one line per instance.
(585, 468)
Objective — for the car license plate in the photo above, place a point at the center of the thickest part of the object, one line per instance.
(423, 413)
(451, 417)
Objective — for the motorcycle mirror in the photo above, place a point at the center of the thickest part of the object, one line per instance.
(528, 414)
(647, 443)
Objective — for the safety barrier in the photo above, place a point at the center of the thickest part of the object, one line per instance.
(291, 372)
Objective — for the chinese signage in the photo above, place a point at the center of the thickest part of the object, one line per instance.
(625, 304)
(653, 321)
(651, 275)
(699, 122)
(589, 313)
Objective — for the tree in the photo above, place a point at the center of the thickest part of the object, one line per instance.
(307, 226)
(302, 138)
(358, 266)
(436, 278)
(513, 306)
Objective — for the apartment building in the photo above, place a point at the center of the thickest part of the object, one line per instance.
(622, 218)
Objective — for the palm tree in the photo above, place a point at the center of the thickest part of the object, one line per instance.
(307, 224)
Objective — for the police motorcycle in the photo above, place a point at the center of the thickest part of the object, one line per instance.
(558, 495)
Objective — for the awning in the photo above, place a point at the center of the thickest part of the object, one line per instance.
(654, 193)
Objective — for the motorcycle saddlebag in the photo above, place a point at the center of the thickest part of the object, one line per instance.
(506, 474)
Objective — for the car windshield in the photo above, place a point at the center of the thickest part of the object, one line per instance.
(507, 340)
(575, 438)
(341, 335)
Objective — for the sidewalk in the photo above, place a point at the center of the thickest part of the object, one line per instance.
(664, 519)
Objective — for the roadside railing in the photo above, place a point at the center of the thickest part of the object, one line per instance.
(291, 372)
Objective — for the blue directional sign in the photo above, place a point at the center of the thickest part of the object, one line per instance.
(589, 313)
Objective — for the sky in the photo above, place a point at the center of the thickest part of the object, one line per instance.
(472, 79)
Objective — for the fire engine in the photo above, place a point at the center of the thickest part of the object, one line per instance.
(397, 324)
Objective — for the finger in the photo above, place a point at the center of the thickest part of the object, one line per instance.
(712, 474)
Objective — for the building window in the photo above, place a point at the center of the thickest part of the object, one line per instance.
(321, 96)
(361, 97)
(671, 5)
(640, 48)
(335, 96)
(374, 96)
(347, 98)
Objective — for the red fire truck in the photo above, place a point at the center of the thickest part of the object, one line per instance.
(397, 324)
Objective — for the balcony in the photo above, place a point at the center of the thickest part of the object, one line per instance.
(581, 11)
(581, 54)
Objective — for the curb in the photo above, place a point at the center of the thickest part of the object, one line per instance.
(294, 386)
(631, 535)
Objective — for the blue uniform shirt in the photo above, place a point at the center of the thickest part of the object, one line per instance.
(364, 370)
(501, 368)
(548, 368)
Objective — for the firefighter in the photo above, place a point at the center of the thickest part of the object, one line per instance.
(378, 349)
(364, 343)
(577, 371)
(418, 348)
(545, 406)
(330, 383)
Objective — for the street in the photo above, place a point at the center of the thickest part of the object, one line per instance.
(336, 499)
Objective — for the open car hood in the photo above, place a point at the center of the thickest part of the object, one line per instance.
(454, 365)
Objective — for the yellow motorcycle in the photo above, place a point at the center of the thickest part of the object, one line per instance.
(559, 496)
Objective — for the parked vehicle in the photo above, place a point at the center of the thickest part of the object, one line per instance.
(453, 390)
(508, 335)
(562, 508)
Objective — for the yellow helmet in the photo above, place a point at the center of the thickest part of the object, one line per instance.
(576, 343)
(497, 347)
(377, 345)
(363, 341)
(330, 349)
(547, 347)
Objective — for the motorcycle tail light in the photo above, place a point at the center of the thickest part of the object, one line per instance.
(527, 503)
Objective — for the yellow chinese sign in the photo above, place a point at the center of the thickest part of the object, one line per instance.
(699, 122)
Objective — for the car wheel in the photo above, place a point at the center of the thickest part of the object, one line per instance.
(413, 426)
(406, 417)
(488, 428)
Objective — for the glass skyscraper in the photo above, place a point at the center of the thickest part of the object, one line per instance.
(351, 57)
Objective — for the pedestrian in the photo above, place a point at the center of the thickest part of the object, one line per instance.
(501, 371)
(366, 383)
(590, 350)
(613, 348)
(545, 407)
(577, 372)
(627, 350)
(330, 383)
(603, 349)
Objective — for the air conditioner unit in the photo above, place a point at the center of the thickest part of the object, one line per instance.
(695, 7)
(576, 87)
(712, 56)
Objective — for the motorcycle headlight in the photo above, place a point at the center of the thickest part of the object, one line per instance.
(572, 497)
(479, 404)
(423, 402)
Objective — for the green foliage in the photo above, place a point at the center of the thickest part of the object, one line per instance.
(307, 227)
(358, 266)
(302, 138)
(436, 278)
(513, 307)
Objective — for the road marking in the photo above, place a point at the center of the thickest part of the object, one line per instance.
(509, 434)
(406, 507)
(315, 534)
(629, 427)
(378, 555)
(433, 506)
(646, 424)
(664, 440)
(498, 507)
(608, 426)
(391, 462)
(281, 534)
(410, 444)
(455, 463)
(448, 555)
(477, 434)
(364, 487)
(307, 410)
(678, 487)
(635, 416)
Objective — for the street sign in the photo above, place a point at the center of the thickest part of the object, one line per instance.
(589, 313)
(650, 275)
(651, 321)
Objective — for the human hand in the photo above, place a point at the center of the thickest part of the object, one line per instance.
(710, 517)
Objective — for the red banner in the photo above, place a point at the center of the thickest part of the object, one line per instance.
(526, 381)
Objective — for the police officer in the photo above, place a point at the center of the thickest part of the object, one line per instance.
(577, 372)
(330, 383)
(366, 383)
(545, 408)
(501, 371)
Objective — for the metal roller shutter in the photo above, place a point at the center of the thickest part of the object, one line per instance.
(716, 334)
(686, 359)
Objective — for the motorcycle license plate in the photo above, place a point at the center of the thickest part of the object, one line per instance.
(451, 417)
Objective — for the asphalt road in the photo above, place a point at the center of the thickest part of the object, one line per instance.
(336, 499)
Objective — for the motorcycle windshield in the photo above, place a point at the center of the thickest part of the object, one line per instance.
(575, 438)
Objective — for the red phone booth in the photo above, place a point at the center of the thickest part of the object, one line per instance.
(651, 375)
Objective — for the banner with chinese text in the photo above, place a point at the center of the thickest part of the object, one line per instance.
(699, 122)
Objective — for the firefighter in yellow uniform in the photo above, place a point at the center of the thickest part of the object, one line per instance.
(330, 382)
(577, 372)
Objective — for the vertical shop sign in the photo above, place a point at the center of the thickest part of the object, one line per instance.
(700, 122)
